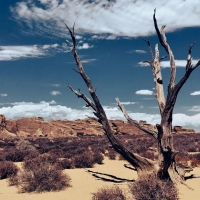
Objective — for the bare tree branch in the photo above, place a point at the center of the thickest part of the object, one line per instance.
(158, 32)
(135, 123)
(172, 61)
(140, 163)
(150, 50)
(83, 96)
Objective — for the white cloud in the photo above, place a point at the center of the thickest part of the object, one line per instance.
(55, 85)
(4, 95)
(195, 109)
(140, 51)
(144, 92)
(55, 93)
(17, 52)
(195, 93)
(85, 46)
(87, 60)
(31, 103)
(166, 64)
(128, 103)
(78, 37)
(125, 18)
(48, 112)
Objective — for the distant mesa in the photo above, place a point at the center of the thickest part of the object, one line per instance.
(38, 127)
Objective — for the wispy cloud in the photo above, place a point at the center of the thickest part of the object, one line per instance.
(23, 103)
(140, 51)
(18, 52)
(54, 93)
(104, 37)
(4, 95)
(195, 93)
(195, 109)
(166, 64)
(128, 103)
(144, 92)
(87, 60)
(55, 85)
(119, 18)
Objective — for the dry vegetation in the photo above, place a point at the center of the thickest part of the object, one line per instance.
(44, 159)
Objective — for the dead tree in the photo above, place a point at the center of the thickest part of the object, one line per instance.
(165, 167)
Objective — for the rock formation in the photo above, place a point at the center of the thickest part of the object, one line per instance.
(37, 127)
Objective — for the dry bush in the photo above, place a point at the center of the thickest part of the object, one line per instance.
(105, 193)
(194, 162)
(22, 144)
(7, 169)
(84, 160)
(112, 155)
(97, 157)
(56, 152)
(31, 155)
(66, 163)
(42, 174)
(150, 187)
(15, 155)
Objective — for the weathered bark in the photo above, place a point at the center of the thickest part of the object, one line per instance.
(165, 167)
(142, 165)
(166, 164)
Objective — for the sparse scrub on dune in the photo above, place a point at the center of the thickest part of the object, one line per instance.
(106, 193)
(7, 169)
(112, 155)
(150, 187)
(84, 160)
(66, 163)
(42, 174)
(22, 144)
(13, 154)
(97, 157)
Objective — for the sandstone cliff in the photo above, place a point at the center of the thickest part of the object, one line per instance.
(37, 127)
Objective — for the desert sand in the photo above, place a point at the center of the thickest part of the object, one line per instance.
(83, 184)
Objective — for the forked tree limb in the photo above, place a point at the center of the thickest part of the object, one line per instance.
(143, 165)
(173, 89)
(83, 96)
(135, 123)
(172, 61)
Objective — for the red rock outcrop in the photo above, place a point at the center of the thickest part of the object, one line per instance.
(37, 127)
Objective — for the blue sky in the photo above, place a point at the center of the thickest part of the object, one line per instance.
(36, 62)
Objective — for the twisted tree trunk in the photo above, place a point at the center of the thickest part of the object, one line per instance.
(165, 167)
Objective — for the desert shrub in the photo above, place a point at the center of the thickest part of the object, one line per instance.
(150, 187)
(66, 163)
(2, 155)
(84, 160)
(38, 161)
(42, 175)
(121, 157)
(97, 157)
(56, 152)
(148, 154)
(7, 169)
(113, 193)
(22, 144)
(15, 155)
(111, 154)
(183, 158)
(31, 155)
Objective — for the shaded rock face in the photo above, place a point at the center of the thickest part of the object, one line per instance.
(180, 129)
(37, 127)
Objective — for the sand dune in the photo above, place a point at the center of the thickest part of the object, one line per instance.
(84, 184)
